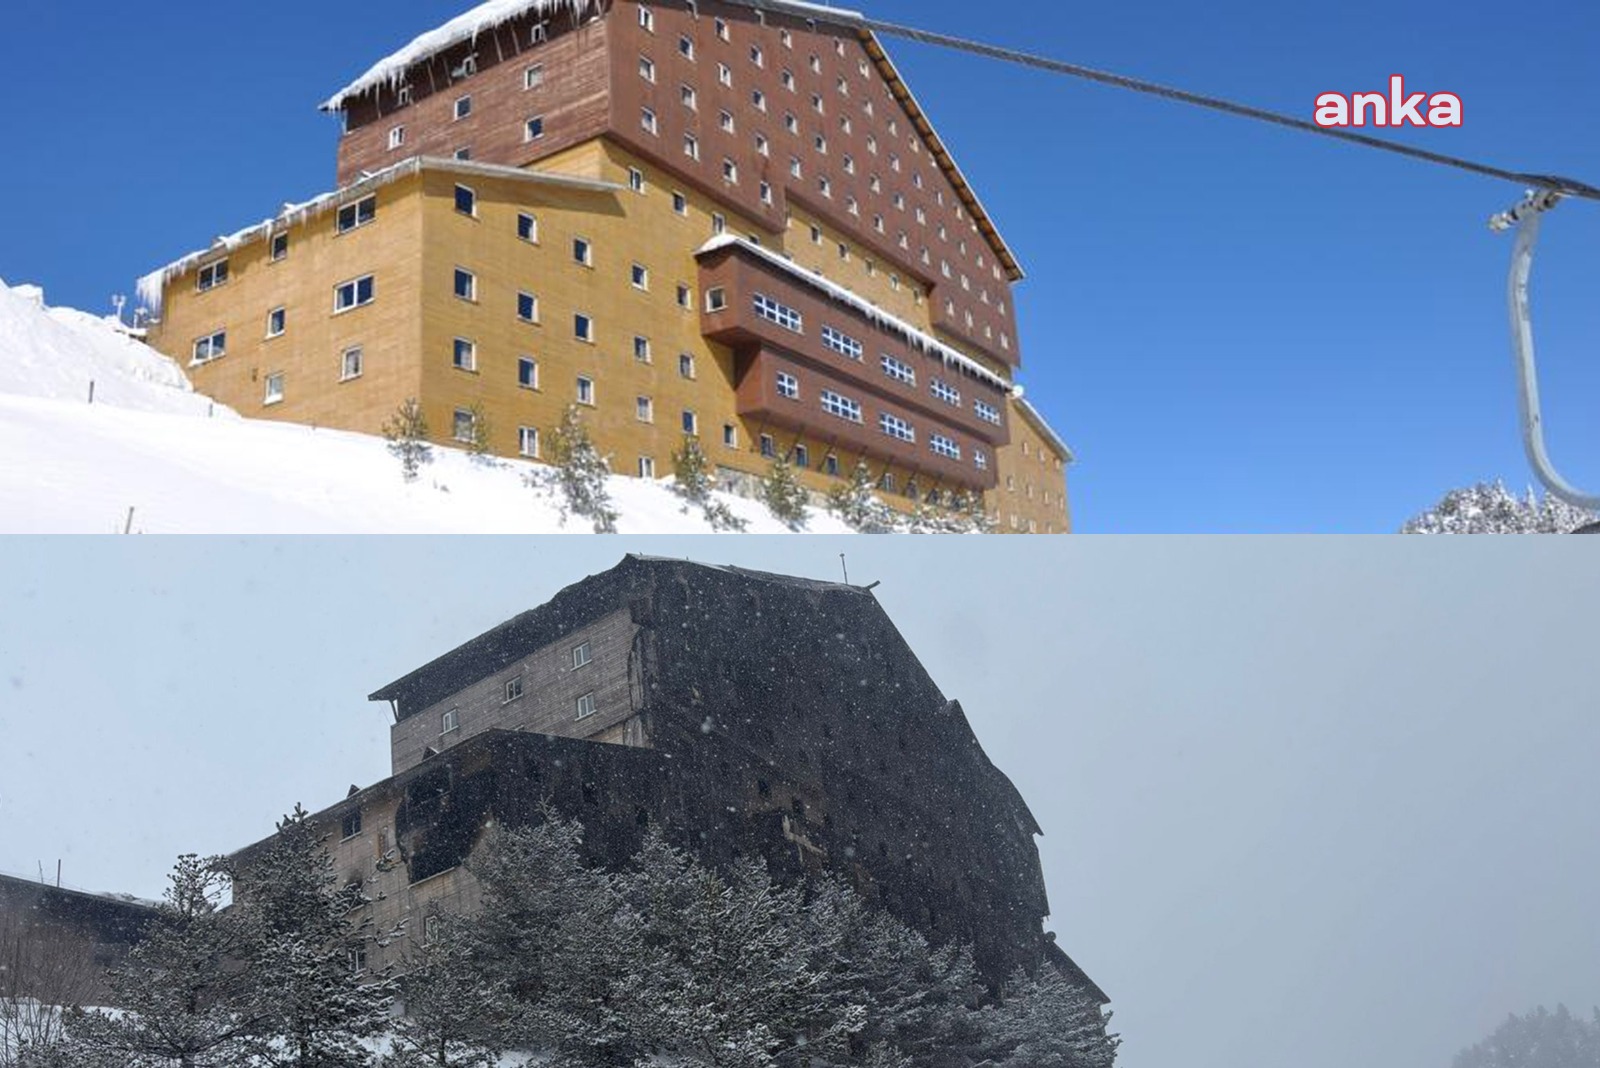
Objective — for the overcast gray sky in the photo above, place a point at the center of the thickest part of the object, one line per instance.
(1310, 802)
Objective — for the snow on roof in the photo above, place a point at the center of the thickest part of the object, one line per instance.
(1033, 416)
(391, 69)
(151, 286)
(917, 339)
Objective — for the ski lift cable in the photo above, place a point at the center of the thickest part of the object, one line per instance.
(1525, 217)
(839, 16)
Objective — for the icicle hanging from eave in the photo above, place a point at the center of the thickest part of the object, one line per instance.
(468, 26)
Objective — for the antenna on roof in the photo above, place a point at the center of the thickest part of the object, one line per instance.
(845, 569)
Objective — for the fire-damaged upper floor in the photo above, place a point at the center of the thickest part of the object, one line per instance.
(746, 712)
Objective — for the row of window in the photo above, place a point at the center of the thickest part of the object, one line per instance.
(849, 409)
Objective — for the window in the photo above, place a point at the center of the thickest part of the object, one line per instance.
(449, 721)
(691, 147)
(786, 38)
(352, 294)
(464, 425)
(583, 327)
(725, 121)
(756, 56)
(466, 284)
(795, 166)
(802, 456)
(730, 171)
(280, 247)
(464, 354)
(842, 343)
(765, 192)
(685, 296)
(980, 458)
(641, 348)
(685, 365)
(527, 372)
(722, 29)
(582, 251)
(647, 467)
(533, 77)
(636, 179)
(987, 412)
(514, 688)
(943, 446)
(758, 100)
(644, 409)
(647, 19)
(816, 103)
(586, 390)
(686, 47)
(690, 423)
(791, 123)
(680, 203)
(896, 427)
(690, 99)
(788, 386)
(841, 406)
(352, 824)
(358, 960)
(781, 314)
(647, 119)
(769, 448)
(830, 464)
(730, 435)
(528, 441)
(586, 705)
(639, 274)
(277, 319)
(724, 74)
(647, 69)
(580, 655)
(527, 307)
(762, 147)
(403, 96)
(466, 200)
(350, 363)
(946, 392)
(719, 223)
(822, 144)
(211, 276)
(716, 299)
(533, 129)
(464, 153)
(463, 107)
(274, 390)
(397, 137)
(360, 213)
(899, 370)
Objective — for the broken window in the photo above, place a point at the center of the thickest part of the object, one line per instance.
(352, 823)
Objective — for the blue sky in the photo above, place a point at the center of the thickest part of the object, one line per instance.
(1239, 328)
(1307, 802)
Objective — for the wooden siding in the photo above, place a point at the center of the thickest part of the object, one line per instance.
(1032, 493)
(548, 705)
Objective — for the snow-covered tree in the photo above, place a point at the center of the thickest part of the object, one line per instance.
(305, 948)
(43, 970)
(858, 506)
(1047, 1021)
(692, 482)
(579, 479)
(783, 495)
(1491, 509)
(1541, 1039)
(478, 445)
(183, 997)
(406, 431)
(449, 1020)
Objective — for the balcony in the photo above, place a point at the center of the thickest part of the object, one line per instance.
(815, 359)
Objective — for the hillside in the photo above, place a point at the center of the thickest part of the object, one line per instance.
(184, 464)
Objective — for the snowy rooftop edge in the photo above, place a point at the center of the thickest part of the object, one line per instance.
(464, 27)
(1037, 418)
(918, 339)
(149, 286)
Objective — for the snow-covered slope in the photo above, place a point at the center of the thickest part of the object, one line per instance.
(181, 463)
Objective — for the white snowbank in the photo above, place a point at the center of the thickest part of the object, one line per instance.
(183, 464)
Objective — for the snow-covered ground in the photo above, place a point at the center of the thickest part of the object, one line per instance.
(151, 447)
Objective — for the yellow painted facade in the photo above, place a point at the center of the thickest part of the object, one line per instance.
(647, 363)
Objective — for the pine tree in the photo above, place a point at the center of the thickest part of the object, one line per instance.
(858, 506)
(1047, 1021)
(185, 998)
(302, 946)
(783, 495)
(579, 478)
(1540, 1039)
(692, 482)
(406, 431)
(448, 1021)
(478, 446)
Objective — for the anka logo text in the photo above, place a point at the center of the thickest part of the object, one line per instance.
(1395, 109)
